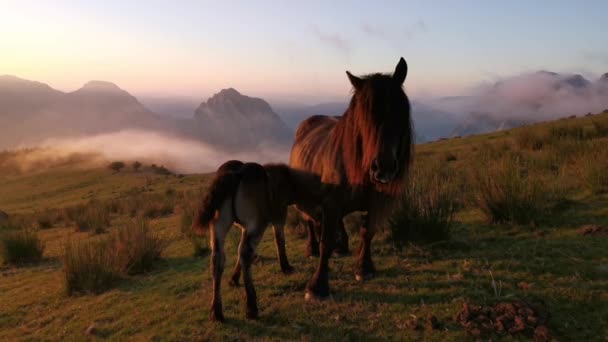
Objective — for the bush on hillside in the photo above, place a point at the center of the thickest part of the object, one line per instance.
(508, 192)
(95, 266)
(427, 208)
(19, 246)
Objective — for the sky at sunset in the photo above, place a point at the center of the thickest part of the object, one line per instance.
(296, 50)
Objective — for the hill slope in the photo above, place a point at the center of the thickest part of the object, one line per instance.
(481, 264)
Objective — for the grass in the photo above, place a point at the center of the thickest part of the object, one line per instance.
(427, 208)
(88, 267)
(20, 246)
(510, 192)
(481, 263)
(95, 266)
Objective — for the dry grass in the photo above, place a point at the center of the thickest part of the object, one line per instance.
(20, 246)
(427, 208)
(95, 266)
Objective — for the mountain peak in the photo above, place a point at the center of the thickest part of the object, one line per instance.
(230, 92)
(547, 73)
(577, 81)
(101, 86)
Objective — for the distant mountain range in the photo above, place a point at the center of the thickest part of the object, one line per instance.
(31, 112)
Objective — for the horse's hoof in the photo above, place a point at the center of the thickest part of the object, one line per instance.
(252, 314)
(216, 316)
(309, 296)
(287, 270)
(364, 277)
(341, 254)
(234, 283)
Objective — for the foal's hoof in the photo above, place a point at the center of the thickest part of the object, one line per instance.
(252, 314)
(309, 296)
(216, 316)
(364, 277)
(341, 253)
(234, 283)
(287, 269)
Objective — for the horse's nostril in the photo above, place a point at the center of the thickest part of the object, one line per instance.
(374, 165)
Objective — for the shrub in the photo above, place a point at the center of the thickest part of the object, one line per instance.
(594, 171)
(449, 156)
(20, 246)
(601, 128)
(93, 217)
(94, 266)
(158, 208)
(136, 166)
(531, 139)
(509, 193)
(116, 166)
(200, 244)
(136, 248)
(88, 267)
(427, 208)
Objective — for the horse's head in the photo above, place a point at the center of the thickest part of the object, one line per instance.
(381, 114)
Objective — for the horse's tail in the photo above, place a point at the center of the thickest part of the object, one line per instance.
(224, 186)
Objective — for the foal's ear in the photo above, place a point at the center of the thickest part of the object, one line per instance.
(400, 71)
(354, 80)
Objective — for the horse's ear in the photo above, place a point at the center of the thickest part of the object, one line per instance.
(400, 71)
(354, 80)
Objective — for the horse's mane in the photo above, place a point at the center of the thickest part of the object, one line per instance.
(353, 130)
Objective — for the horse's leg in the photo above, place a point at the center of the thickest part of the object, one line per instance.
(342, 240)
(365, 268)
(247, 254)
(278, 225)
(312, 246)
(218, 259)
(236, 272)
(318, 286)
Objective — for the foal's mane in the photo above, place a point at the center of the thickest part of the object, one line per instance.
(289, 185)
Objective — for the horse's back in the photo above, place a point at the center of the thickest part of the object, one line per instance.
(310, 141)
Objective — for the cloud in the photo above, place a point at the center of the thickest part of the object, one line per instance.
(414, 29)
(334, 41)
(531, 97)
(374, 30)
(596, 57)
(179, 155)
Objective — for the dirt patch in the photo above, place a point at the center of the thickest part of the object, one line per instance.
(505, 318)
(592, 229)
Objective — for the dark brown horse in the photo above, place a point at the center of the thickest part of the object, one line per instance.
(252, 196)
(366, 154)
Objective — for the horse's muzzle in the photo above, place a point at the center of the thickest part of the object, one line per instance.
(383, 175)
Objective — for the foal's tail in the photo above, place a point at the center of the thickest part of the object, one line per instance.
(224, 186)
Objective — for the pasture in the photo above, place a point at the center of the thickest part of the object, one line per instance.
(527, 222)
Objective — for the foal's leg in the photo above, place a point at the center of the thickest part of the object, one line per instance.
(312, 246)
(318, 286)
(247, 253)
(342, 240)
(236, 272)
(218, 259)
(365, 268)
(278, 225)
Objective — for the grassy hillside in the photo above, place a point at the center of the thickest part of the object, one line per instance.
(496, 251)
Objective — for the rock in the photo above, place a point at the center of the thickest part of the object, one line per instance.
(91, 330)
(3, 217)
(592, 229)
